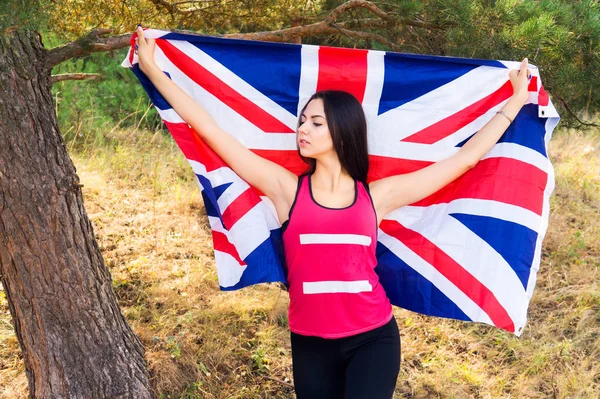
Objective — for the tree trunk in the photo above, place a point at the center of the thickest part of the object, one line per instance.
(75, 341)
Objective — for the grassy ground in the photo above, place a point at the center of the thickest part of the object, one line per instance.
(202, 343)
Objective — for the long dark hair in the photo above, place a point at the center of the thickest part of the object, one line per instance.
(348, 127)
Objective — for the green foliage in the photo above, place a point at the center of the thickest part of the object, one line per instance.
(260, 360)
(20, 14)
(115, 97)
(72, 18)
(193, 391)
(561, 37)
(173, 347)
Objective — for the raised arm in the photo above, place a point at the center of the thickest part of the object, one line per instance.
(273, 180)
(396, 191)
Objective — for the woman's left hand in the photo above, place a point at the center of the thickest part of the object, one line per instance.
(520, 81)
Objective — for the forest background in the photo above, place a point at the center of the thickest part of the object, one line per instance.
(149, 218)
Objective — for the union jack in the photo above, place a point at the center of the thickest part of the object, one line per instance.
(471, 251)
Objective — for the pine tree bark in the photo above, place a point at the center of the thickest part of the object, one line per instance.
(75, 341)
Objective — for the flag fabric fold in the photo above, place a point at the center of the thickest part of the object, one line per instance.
(470, 251)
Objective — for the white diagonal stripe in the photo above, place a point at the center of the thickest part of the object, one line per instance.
(520, 153)
(535, 265)
(331, 287)
(425, 269)
(440, 103)
(458, 242)
(471, 206)
(229, 271)
(169, 115)
(236, 83)
(469, 129)
(229, 120)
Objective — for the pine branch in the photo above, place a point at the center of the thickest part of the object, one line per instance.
(287, 384)
(174, 8)
(95, 41)
(10, 29)
(72, 76)
(355, 4)
(87, 44)
(190, 2)
(591, 124)
(190, 10)
(370, 36)
(165, 4)
(316, 29)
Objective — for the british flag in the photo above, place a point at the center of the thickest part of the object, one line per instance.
(471, 251)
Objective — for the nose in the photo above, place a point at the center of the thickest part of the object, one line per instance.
(302, 128)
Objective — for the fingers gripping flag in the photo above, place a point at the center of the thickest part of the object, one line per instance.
(470, 251)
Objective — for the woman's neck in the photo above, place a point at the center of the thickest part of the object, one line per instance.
(330, 176)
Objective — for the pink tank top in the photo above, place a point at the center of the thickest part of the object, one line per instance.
(330, 256)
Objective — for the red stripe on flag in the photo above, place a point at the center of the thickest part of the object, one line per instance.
(449, 268)
(500, 179)
(193, 147)
(380, 166)
(343, 69)
(222, 244)
(132, 44)
(208, 157)
(462, 118)
(221, 90)
(239, 207)
(543, 98)
(184, 137)
(289, 159)
(532, 84)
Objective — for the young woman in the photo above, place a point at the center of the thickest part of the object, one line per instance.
(345, 341)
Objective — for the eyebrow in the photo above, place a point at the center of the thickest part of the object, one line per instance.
(314, 116)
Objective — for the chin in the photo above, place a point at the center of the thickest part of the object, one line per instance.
(305, 153)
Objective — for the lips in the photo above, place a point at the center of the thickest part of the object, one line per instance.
(303, 142)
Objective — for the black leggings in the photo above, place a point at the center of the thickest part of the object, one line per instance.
(363, 366)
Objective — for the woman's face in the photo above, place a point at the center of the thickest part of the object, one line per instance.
(314, 139)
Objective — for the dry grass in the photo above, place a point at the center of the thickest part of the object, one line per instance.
(203, 343)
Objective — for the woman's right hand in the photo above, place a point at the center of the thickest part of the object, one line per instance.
(273, 180)
(145, 51)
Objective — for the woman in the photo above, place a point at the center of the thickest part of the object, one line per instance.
(345, 341)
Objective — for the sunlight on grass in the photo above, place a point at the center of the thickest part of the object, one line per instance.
(149, 220)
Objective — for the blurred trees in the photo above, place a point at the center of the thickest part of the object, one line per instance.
(561, 37)
(74, 18)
